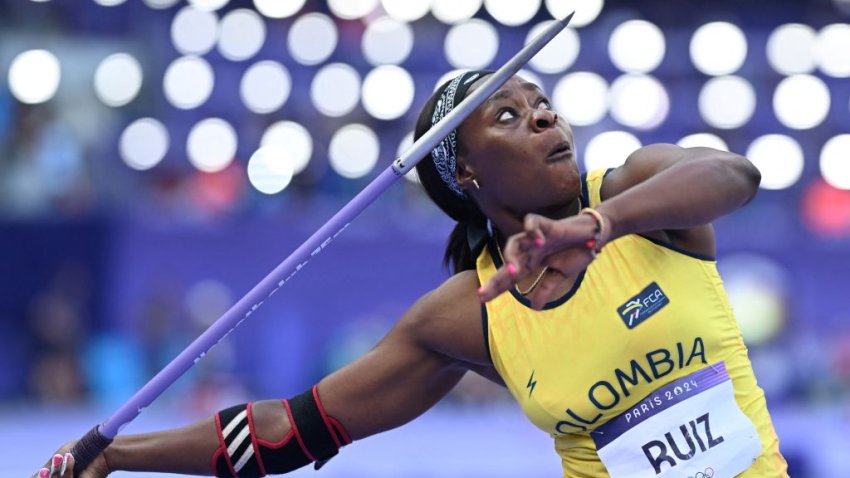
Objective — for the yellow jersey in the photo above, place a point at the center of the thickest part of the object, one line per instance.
(643, 324)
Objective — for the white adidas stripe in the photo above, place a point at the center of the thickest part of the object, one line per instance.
(243, 434)
(244, 459)
(233, 423)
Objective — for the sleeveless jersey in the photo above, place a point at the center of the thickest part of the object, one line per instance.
(643, 316)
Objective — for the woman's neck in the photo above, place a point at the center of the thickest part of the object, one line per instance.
(508, 223)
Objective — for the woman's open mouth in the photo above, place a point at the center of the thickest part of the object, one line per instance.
(560, 152)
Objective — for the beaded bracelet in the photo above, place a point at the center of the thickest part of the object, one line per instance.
(594, 244)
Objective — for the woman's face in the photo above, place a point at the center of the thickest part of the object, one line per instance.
(520, 152)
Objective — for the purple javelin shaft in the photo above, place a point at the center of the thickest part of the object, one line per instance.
(320, 239)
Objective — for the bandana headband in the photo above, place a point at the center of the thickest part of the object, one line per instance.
(444, 154)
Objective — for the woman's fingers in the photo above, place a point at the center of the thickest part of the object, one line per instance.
(523, 251)
(502, 280)
(59, 466)
(67, 469)
(558, 244)
(533, 226)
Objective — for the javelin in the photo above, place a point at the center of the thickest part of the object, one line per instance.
(99, 437)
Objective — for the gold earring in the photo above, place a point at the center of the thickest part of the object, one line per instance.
(475, 182)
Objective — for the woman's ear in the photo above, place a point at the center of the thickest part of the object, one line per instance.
(465, 175)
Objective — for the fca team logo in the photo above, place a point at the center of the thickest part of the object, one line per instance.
(632, 310)
(642, 306)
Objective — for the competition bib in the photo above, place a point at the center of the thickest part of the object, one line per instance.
(690, 427)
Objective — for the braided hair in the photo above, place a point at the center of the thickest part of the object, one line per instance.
(438, 175)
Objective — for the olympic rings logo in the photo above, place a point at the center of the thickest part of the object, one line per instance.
(707, 473)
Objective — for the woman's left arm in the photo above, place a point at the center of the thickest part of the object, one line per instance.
(661, 190)
(663, 187)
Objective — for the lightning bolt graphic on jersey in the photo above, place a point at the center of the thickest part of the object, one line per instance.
(531, 384)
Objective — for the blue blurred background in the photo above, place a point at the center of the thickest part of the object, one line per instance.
(159, 157)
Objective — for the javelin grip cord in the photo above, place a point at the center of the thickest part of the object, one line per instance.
(96, 440)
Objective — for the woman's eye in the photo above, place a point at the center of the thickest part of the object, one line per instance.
(505, 115)
(544, 104)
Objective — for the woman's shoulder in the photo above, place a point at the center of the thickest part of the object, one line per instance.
(461, 287)
(449, 319)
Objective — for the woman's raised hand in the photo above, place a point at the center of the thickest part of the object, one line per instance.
(61, 465)
(565, 247)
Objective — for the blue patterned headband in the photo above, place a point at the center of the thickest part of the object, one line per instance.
(445, 154)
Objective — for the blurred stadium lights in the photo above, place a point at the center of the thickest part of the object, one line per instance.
(279, 8)
(118, 79)
(801, 101)
(638, 101)
(446, 77)
(265, 87)
(188, 82)
(757, 287)
(703, 140)
(835, 161)
(727, 102)
(406, 10)
(208, 5)
(242, 34)
(582, 98)
(160, 4)
(636, 46)
(352, 9)
(779, 158)
(335, 90)
(403, 146)
(34, 76)
(586, 11)
(832, 50)
(805, 61)
(609, 149)
(718, 48)
(387, 92)
(353, 151)
(387, 41)
(472, 44)
(193, 31)
(211, 145)
(213, 193)
(826, 209)
(559, 54)
(312, 38)
(532, 77)
(791, 49)
(511, 12)
(270, 169)
(292, 137)
(109, 3)
(143, 144)
(455, 11)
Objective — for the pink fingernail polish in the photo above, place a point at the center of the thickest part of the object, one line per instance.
(64, 464)
(57, 460)
(538, 241)
(43, 473)
(512, 269)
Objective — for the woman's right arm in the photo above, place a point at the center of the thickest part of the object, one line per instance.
(408, 371)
